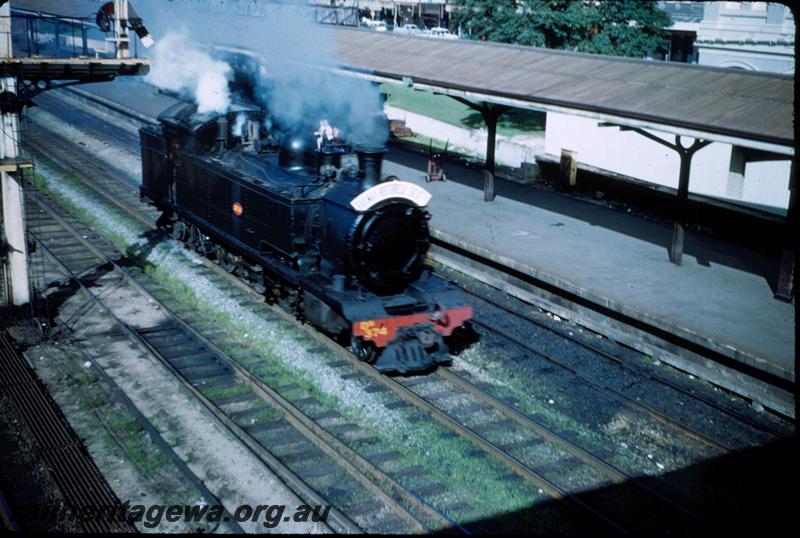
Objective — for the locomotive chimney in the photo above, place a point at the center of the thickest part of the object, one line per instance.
(222, 132)
(370, 161)
(329, 160)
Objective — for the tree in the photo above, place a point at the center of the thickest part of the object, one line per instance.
(615, 27)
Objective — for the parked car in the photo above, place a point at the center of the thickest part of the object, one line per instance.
(411, 29)
(378, 26)
(441, 33)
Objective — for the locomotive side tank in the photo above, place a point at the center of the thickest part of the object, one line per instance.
(334, 242)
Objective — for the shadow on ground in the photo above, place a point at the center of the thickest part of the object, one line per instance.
(751, 493)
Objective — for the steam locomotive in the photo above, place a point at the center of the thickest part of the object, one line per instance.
(313, 223)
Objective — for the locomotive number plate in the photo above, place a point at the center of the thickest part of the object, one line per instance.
(391, 189)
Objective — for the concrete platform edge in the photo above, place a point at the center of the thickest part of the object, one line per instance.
(686, 333)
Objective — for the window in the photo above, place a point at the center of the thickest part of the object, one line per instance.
(758, 6)
(733, 5)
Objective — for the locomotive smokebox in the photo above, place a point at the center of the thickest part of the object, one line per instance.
(370, 162)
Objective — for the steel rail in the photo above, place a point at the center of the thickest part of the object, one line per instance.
(552, 489)
(343, 523)
(639, 370)
(50, 103)
(765, 387)
(654, 413)
(148, 427)
(81, 175)
(447, 420)
(615, 474)
(356, 465)
(324, 440)
(636, 370)
(633, 368)
(125, 400)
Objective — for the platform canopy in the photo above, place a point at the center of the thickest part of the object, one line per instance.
(746, 108)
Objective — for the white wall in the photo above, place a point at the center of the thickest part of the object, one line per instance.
(508, 151)
(764, 184)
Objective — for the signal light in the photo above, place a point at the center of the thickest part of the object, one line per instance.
(237, 209)
(105, 21)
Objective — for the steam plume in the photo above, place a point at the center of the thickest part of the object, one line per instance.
(181, 67)
(296, 94)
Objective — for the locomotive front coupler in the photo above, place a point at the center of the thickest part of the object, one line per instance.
(415, 350)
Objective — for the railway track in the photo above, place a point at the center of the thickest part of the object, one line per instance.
(498, 427)
(617, 355)
(747, 383)
(201, 365)
(172, 334)
(697, 401)
(775, 394)
(318, 467)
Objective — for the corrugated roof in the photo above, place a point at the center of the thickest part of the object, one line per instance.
(737, 103)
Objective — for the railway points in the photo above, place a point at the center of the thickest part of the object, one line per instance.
(582, 398)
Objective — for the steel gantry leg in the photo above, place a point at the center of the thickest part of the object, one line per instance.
(490, 114)
(681, 209)
(682, 203)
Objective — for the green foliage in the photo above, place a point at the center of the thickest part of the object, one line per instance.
(615, 27)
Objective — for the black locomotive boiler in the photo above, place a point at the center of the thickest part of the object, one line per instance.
(329, 238)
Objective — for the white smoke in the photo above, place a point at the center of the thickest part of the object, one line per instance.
(296, 93)
(238, 125)
(178, 65)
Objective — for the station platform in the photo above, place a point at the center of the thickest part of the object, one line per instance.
(721, 297)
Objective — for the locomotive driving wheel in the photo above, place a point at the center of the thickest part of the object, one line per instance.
(365, 351)
(179, 230)
(226, 261)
